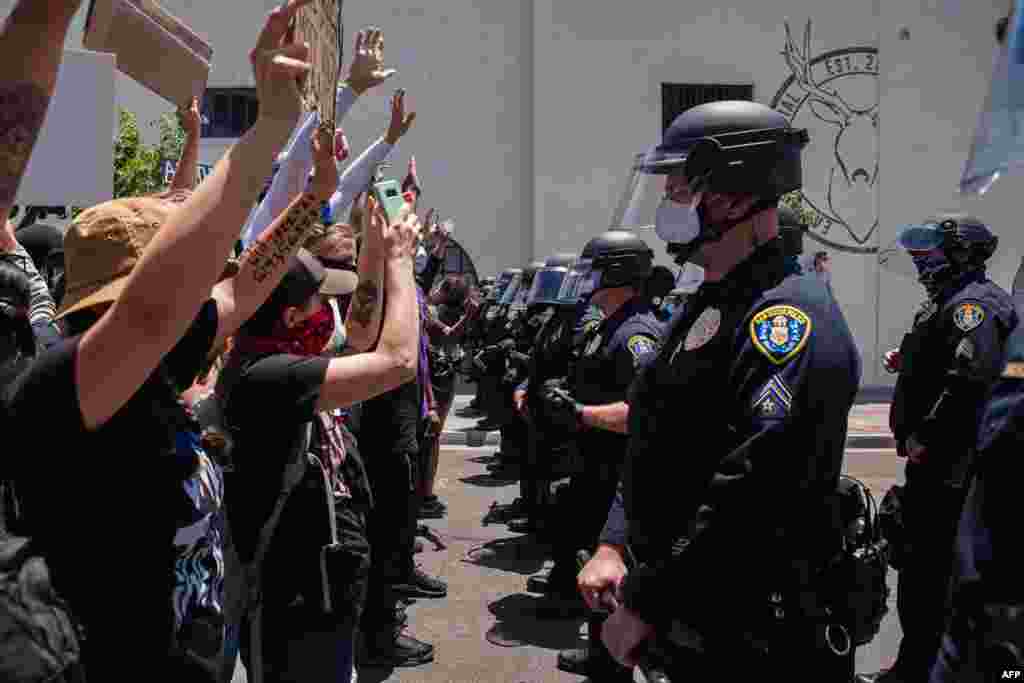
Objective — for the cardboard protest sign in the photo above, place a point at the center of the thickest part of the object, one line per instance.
(73, 162)
(152, 47)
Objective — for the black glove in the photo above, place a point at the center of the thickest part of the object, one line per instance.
(559, 407)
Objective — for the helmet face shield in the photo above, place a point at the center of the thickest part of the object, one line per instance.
(509, 295)
(546, 284)
(580, 282)
(897, 257)
(654, 178)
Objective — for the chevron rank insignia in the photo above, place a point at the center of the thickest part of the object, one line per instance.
(780, 332)
(774, 400)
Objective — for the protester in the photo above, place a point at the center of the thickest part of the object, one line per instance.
(276, 383)
(142, 319)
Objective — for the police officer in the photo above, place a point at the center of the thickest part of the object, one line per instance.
(545, 359)
(736, 429)
(519, 331)
(985, 635)
(490, 360)
(615, 267)
(946, 365)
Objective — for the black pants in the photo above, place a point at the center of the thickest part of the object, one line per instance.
(585, 511)
(733, 660)
(931, 515)
(392, 532)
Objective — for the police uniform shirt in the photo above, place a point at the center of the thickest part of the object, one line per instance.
(615, 348)
(987, 568)
(737, 436)
(950, 357)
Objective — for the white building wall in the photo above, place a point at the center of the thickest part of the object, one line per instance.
(531, 111)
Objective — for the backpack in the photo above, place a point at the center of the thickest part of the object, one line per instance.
(40, 639)
(856, 580)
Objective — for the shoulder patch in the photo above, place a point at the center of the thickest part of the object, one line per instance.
(641, 345)
(780, 332)
(968, 316)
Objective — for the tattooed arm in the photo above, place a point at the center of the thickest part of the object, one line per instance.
(31, 50)
(179, 266)
(265, 260)
(395, 359)
(363, 319)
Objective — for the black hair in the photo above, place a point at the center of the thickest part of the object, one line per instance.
(16, 336)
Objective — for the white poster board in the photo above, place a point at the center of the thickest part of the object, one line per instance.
(73, 161)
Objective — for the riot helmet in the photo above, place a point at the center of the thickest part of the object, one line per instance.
(615, 258)
(548, 280)
(717, 148)
(504, 280)
(943, 248)
(528, 276)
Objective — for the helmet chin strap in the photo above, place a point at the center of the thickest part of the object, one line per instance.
(682, 253)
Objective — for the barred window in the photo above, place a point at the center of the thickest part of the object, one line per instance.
(228, 112)
(678, 97)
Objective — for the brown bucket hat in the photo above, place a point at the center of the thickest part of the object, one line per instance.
(105, 242)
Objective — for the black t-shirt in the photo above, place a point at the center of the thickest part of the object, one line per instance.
(268, 407)
(104, 506)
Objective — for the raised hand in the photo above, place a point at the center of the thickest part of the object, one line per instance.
(367, 68)
(411, 180)
(341, 149)
(190, 118)
(325, 177)
(399, 238)
(400, 121)
(280, 66)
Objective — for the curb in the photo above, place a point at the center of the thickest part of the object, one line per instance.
(476, 438)
(871, 441)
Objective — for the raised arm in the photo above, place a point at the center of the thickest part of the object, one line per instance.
(264, 262)
(180, 265)
(296, 161)
(31, 50)
(362, 322)
(394, 361)
(185, 174)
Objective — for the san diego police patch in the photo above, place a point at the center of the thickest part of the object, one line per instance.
(780, 332)
(641, 346)
(968, 316)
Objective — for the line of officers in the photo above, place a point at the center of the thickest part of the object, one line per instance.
(704, 433)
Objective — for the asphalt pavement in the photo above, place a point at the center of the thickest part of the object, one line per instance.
(486, 568)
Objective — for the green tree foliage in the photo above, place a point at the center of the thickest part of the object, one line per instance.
(137, 166)
(808, 215)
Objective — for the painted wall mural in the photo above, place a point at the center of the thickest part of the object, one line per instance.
(834, 95)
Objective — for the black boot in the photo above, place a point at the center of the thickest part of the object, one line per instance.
(394, 648)
(418, 584)
(594, 661)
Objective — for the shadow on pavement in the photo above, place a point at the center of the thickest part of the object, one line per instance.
(519, 555)
(495, 480)
(519, 624)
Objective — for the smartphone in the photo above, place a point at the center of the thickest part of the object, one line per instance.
(389, 195)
